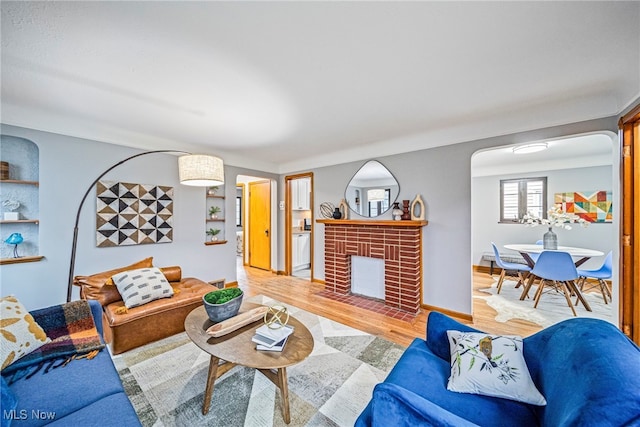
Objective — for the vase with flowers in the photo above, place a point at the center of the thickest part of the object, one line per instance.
(556, 217)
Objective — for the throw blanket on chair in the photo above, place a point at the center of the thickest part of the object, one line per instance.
(73, 335)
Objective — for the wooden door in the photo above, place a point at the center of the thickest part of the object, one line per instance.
(630, 254)
(260, 224)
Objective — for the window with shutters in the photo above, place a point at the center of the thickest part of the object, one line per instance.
(522, 195)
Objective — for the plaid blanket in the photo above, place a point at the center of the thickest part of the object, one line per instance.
(73, 335)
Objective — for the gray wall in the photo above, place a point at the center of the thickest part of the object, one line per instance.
(442, 176)
(67, 166)
(486, 213)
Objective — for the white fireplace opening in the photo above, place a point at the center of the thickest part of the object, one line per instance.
(367, 276)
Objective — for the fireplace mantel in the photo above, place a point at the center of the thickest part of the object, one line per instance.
(398, 243)
(387, 222)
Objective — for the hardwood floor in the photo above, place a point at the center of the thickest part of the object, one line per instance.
(303, 294)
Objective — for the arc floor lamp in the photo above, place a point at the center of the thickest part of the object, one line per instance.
(194, 169)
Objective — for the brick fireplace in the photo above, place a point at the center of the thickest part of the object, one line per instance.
(398, 243)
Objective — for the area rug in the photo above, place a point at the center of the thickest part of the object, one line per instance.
(552, 308)
(165, 380)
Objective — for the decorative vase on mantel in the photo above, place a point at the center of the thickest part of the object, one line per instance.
(405, 210)
(550, 240)
(397, 212)
(337, 214)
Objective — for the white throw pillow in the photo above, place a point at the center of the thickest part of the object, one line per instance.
(491, 365)
(20, 333)
(141, 286)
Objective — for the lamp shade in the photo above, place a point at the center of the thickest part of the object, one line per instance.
(200, 170)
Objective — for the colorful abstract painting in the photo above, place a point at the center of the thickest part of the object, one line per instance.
(133, 214)
(596, 206)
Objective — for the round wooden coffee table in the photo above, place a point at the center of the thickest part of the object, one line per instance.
(236, 348)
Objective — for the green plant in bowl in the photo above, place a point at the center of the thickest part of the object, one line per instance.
(222, 304)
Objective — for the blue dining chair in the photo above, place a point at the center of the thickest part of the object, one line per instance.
(556, 270)
(510, 268)
(601, 274)
(534, 256)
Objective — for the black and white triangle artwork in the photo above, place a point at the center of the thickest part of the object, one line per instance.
(133, 214)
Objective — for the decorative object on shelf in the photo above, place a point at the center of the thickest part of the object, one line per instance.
(193, 169)
(213, 211)
(556, 217)
(326, 210)
(11, 205)
(213, 232)
(417, 203)
(133, 214)
(15, 239)
(336, 213)
(276, 317)
(4, 170)
(344, 209)
(222, 304)
(211, 191)
(397, 212)
(405, 210)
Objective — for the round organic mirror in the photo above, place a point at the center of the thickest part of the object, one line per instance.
(372, 190)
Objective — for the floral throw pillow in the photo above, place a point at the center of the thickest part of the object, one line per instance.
(491, 365)
(19, 332)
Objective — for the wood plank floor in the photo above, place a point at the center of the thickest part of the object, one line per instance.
(303, 294)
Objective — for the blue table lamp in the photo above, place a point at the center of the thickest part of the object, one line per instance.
(15, 239)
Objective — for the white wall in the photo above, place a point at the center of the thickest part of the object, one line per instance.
(486, 213)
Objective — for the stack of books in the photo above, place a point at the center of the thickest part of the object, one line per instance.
(268, 339)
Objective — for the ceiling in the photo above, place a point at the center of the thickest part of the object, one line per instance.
(287, 86)
(567, 153)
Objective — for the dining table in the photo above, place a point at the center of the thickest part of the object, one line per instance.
(525, 249)
(581, 254)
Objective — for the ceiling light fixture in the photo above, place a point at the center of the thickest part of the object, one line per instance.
(530, 148)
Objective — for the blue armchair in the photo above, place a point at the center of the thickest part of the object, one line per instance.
(588, 371)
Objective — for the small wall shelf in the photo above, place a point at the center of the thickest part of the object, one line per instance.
(215, 219)
(217, 242)
(17, 181)
(20, 221)
(21, 259)
(215, 197)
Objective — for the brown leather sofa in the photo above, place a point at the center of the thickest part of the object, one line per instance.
(127, 328)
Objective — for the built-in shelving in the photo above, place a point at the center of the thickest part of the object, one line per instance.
(219, 201)
(19, 221)
(17, 181)
(20, 173)
(216, 242)
(21, 259)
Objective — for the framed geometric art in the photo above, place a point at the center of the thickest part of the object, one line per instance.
(133, 214)
(593, 206)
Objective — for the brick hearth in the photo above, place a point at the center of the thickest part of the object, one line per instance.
(398, 243)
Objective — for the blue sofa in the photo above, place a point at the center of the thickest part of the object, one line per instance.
(82, 393)
(588, 371)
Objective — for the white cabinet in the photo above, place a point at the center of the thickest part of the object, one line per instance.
(300, 194)
(301, 253)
